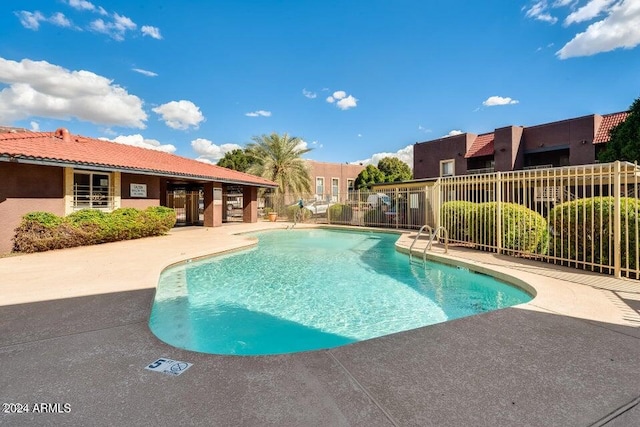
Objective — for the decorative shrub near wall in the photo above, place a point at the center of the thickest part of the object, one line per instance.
(572, 224)
(302, 214)
(522, 228)
(340, 214)
(43, 231)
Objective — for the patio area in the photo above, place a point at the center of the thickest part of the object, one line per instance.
(74, 330)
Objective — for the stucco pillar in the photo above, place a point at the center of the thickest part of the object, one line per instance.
(208, 204)
(250, 204)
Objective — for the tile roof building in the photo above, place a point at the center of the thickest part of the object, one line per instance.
(60, 173)
(575, 141)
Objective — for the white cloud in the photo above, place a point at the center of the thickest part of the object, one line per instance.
(259, 113)
(492, 101)
(138, 140)
(620, 29)
(153, 32)
(82, 5)
(588, 11)
(180, 114)
(35, 126)
(539, 12)
(38, 88)
(342, 101)
(145, 72)
(115, 29)
(423, 129)
(405, 154)
(453, 133)
(209, 152)
(30, 20)
(309, 94)
(60, 20)
(348, 102)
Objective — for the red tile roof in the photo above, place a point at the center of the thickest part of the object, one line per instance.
(482, 146)
(609, 121)
(62, 148)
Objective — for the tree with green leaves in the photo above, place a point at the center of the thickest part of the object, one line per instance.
(278, 158)
(625, 138)
(394, 169)
(369, 176)
(236, 160)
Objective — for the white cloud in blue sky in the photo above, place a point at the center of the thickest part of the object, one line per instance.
(41, 89)
(493, 101)
(209, 152)
(145, 72)
(82, 5)
(309, 94)
(259, 113)
(116, 28)
(180, 115)
(618, 25)
(153, 32)
(32, 20)
(138, 140)
(342, 100)
(405, 154)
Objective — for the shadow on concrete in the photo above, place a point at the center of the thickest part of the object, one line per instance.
(503, 368)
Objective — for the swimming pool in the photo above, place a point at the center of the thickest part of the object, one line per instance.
(311, 289)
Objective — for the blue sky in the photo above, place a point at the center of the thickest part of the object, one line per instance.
(355, 80)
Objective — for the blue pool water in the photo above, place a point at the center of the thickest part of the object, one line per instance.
(304, 290)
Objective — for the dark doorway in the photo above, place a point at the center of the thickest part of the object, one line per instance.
(188, 203)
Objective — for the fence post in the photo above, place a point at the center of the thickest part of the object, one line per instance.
(499, 212)
(437, 202)
(617, 229)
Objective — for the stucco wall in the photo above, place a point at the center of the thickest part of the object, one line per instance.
(27, 188)
(152, 183)
(342, 171)
(427, 155)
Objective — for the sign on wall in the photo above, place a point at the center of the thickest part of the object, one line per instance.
(138, 190)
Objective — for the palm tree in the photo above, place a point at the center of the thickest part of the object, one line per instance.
(278, 158)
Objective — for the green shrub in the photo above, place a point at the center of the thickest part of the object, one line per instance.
(583, 229)
(295, 213)
(458, 218)
(42, 231)
(522, 228)
(340, 214)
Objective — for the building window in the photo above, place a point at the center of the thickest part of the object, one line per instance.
(319, 186)
(335, 189)
(447, 167)
(351, 184)
(92, 190)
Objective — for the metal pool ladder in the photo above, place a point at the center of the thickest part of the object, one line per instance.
(432, 236)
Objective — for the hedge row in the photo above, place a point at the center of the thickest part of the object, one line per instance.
(340, 214)
(583, 230)
(43, 231)
(522, 228)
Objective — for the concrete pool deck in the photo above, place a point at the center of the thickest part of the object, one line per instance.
(73, 329)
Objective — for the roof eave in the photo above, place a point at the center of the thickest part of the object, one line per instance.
(109, 168)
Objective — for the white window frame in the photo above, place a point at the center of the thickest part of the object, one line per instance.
(335, 189)
(451, 162)
(319, 194)
(96, 197)
(351, 184)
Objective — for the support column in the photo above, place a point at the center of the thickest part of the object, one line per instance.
(250, 204)
(208, 205)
